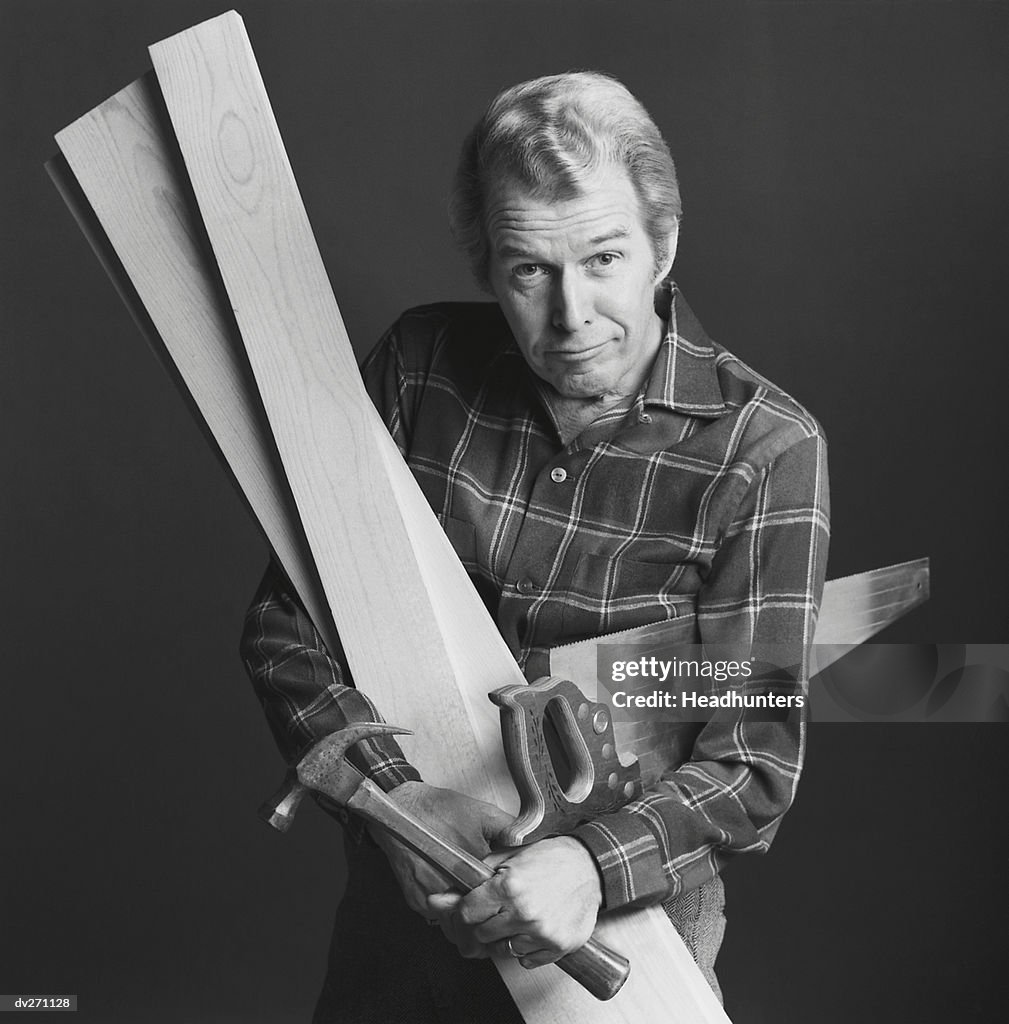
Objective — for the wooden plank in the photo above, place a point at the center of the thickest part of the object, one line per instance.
(396, 588)
(132, 199)
(94, 234)
(324, 424)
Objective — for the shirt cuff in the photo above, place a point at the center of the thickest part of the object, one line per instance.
(393, 774)
(628, 857)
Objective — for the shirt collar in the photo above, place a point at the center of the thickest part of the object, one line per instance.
(684, 376)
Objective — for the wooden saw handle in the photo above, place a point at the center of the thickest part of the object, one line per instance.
(600, 782)
(597, 968)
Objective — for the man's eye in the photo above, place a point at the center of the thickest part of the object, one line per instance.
(527, 270)
(605, 259)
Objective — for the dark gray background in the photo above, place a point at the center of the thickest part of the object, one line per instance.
(844, 170)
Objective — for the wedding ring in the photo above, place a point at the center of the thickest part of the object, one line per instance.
(511, 950)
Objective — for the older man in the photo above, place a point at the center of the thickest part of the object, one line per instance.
(598, 464)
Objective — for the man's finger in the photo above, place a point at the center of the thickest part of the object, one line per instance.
(482, 903)
(539, 959)
(496, 929)
(524, 949)
(494, 821)
(495, 860)
(443, 904)
(515, 946)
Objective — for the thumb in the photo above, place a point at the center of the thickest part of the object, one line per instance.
(494, 820)
(495, 860)
(443, 902)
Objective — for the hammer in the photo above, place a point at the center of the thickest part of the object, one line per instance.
(325, 769)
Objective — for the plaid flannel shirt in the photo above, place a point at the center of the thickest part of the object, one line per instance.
(705, 501)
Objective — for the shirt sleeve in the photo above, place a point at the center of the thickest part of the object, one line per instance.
(763, 589)
(307, 692)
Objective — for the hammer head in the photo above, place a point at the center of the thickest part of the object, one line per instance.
(324, 769)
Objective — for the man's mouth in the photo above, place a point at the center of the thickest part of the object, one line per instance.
(574, 354)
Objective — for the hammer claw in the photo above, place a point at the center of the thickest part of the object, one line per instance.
(324, 761)
(327, 755)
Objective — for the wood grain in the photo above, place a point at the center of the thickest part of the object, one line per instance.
(144, 229)
(418, 638)
(326, 428)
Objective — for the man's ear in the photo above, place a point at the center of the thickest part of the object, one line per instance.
(673, 238)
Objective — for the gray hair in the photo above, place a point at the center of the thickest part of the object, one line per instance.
(550, 134)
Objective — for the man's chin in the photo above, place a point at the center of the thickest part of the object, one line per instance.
(587, 387)
(587, 379)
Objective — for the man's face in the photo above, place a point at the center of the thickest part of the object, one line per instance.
(575, 279)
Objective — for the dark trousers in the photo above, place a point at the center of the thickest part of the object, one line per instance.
(387, 966)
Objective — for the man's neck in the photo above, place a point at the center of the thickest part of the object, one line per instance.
(573, 415)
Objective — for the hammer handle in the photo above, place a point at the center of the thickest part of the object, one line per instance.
(596, 967)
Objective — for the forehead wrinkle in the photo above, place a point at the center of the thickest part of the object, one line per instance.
(605, 205)
(511, 218)
(515, 230)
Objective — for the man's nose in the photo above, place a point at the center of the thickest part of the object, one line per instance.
(572, 302)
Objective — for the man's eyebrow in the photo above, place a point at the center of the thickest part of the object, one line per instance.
(607, 236)
(515, 250)
(610, 236)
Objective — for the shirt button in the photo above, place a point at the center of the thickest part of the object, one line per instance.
(525, 585)
(558, 475)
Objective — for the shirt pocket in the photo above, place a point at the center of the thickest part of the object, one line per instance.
(606, 595)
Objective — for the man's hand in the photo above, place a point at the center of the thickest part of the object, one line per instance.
(468, 823)
(544, 898)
